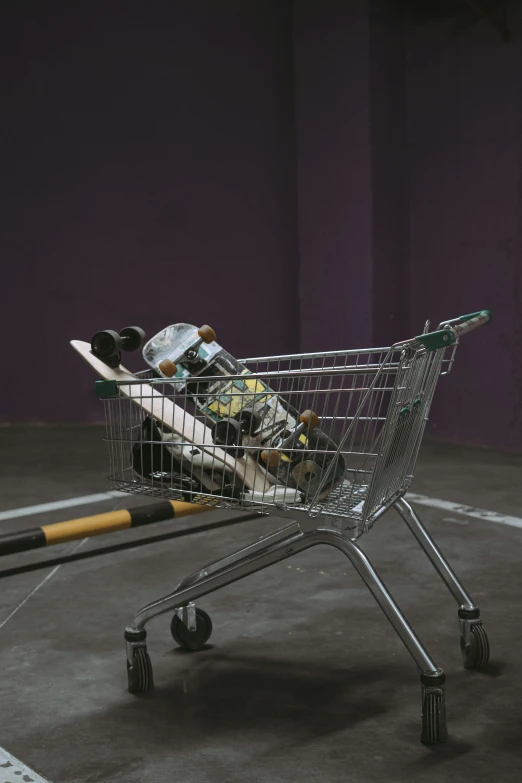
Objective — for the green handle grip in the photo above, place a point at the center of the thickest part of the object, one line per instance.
(467, 323)
(486, 313)
(443, 338)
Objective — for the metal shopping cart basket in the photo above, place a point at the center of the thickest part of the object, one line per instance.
(371, 407)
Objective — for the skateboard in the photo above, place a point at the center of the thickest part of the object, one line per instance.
(167, 457)
(245, 414)
(180, 445)
(154, 461)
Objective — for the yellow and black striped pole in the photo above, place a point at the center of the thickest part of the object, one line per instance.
(97, 525)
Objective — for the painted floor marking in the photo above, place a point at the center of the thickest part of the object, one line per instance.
(469, 511)
(43, 508)
(12, 770)
(423, 500)
(29, 595)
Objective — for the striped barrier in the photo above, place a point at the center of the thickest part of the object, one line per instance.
(99, 524)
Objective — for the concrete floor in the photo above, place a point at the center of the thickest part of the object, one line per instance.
(305, 679)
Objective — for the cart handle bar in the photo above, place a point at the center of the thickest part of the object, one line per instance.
(451, 331)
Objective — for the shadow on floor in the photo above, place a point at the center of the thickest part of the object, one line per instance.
(228, 693)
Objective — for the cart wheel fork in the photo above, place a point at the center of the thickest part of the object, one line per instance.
(139, 667)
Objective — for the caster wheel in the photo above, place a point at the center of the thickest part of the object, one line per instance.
(139, 675)
(476, 653)
(207, 334)
(192, 640)
(226, 432)
(433, 718)
(106, 343)
(132, 338)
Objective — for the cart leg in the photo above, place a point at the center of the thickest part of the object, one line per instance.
(224, 572)
(432, 677)
(473, 639)
(263, 554)
(192, 635)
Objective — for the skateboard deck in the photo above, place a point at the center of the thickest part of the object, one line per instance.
(264, 419)
(154, 461)
(178, 422)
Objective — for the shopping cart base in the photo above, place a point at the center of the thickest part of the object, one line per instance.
(191, 627)
(271, 549)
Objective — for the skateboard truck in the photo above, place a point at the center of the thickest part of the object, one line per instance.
(189, 354)
(308, 421)
(107, 345)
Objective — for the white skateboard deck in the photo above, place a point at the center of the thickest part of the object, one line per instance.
(174, 418)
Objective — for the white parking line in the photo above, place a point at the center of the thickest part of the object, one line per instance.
(468, 511)
(42, 508)
(12, 770)
(422, 500)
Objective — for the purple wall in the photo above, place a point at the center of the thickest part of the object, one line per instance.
(464, 108)
(177, 161)
(150, 179)
(390, 196)
(409, 171)
(334, 173)
(352, 174)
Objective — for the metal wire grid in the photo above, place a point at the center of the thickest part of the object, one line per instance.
(372, 407)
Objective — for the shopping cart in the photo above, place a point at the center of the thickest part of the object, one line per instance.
(374, 404)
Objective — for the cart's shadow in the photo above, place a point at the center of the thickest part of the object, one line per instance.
(493, 669)
(228, 693)
(436, 755)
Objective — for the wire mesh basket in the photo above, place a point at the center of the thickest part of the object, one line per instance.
(334, 434)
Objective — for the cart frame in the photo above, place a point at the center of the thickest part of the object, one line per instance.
(384, 431)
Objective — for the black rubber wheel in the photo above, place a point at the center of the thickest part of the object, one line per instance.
(232, 491)
(106, 343)
(249, 421)
(227, 432)
(139, 675)
(132, 338)
(476, 653)
(192, 640)
(433, 719)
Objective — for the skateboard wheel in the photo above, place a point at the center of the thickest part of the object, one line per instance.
(106, 343)
(309, 418)
(226, 432)
(207, 334)
(306, 472)
(271, 457)
(168, 368)
(132, 338)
